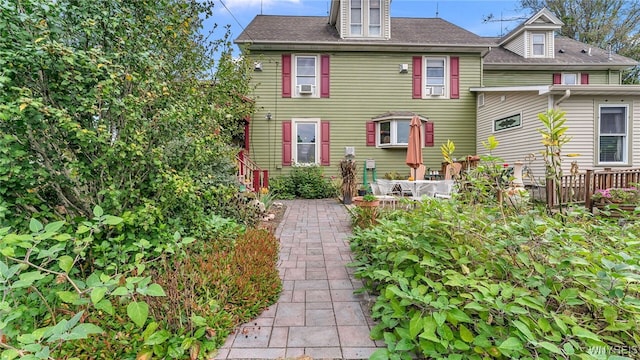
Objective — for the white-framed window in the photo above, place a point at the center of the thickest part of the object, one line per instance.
(306, 76)
(365, 18)
(538, 45)
(375, 18)
(393, 133)
(435, 77)
(306, 133)
(613, 132)
(570, 79)
(355, 17)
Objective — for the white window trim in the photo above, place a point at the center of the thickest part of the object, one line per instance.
(447, 75)
(625, 146)
(544, 45)
(294, 138)
(577, 74)
(294, 79)
(394, 133)
(480, 100)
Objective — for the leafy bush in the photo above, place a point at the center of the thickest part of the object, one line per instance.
(307, 182)
(469, 282)
(52, 296)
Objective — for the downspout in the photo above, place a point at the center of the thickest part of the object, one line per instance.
(564, 97)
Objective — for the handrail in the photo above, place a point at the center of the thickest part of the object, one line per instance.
(250, 174)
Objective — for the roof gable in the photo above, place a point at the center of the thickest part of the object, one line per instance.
(542, 20)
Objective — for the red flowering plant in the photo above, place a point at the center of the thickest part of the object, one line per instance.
(630, 195)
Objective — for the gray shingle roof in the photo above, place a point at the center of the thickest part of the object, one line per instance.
(316, 29)
(567, 52)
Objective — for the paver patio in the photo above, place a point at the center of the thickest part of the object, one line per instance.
(318, 314)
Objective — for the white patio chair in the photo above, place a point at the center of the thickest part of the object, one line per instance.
(383, 196)
(387, 187)
(444, 189)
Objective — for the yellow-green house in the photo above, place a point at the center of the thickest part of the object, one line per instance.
(350, 82)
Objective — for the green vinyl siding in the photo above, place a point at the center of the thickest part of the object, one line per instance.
(363, 86)
(535, 77)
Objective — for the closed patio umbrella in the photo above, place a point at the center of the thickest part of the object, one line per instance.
(414, 148)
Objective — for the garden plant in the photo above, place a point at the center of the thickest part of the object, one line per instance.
(123, 233)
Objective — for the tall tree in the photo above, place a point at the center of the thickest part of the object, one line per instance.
(602, 23)
(103, 102)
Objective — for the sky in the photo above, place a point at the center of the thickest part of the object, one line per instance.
(466, 14)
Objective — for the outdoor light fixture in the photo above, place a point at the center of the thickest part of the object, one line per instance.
(268, 116)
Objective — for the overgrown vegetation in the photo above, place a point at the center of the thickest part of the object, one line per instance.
(472, 282)
(304, 181)
(112, 108)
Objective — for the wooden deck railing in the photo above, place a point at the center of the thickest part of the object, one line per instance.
(579, 188)
(573, 190)
(250, 174)
(606, 179)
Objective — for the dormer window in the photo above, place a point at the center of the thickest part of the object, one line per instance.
(569, 79)
(538, 45)
(365, 17)
(375, 17)
(356, 17)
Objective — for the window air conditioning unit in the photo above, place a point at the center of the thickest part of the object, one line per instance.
(306, 89)
(434, 90)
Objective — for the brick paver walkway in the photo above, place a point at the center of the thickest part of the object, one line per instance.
(318, 314)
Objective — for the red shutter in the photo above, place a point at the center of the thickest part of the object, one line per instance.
(557, 79)
(417, 77)
(454, 81)
(371, 133)
(286, 75)
(428, 134)
(325, 149)
(286, 143)
(584, 79)
(324, 76)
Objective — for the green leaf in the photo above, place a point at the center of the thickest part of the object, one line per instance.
(82, 331)
(9, 354)
(138, 312)
(380, 354)
(106, 306)
(68, 296)
(551, 347)
(415, 325)
(584, 333)
(524, 330)
(611, 314)
(97, 294)
(155, 290)
(465, 334)
(97, 211)
(35, 226)
(456, 315)
(459, 345)
(510, 345)
(112, 220)
(158, 338)
(439, 318)
(120, 291)
(66, 263)
(54, 226)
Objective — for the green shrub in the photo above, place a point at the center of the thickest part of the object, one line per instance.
(307, 182)
(470, 282)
